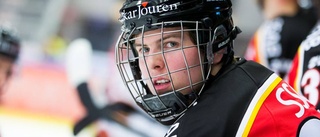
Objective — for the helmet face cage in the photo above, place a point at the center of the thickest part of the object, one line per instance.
(167, 94)
(165, 107)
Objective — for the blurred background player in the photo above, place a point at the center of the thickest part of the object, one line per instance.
(112, 118)
(286, 25)
(304, 75)
(9, 51)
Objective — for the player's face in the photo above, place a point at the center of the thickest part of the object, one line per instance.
(172, 60)
(5, 70)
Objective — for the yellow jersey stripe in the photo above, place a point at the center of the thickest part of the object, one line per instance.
(254, 107)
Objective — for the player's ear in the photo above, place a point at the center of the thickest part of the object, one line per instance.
(218, 56)
(216, 64)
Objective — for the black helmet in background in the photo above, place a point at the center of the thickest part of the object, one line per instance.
(9, 44)
(211, 29)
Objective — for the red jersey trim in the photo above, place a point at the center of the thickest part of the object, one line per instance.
(254, 107)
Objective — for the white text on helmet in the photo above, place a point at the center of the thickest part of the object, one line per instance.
(143, 11)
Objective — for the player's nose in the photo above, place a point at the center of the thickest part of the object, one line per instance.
(155, 61)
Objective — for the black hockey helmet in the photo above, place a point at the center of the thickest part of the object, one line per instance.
(9, 44)
(208, 22)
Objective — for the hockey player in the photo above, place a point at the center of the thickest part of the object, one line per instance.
(276, 41)
(9, 51)
(304, 75)
(176, 59)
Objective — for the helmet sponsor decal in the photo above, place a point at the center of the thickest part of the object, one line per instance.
(143, 10)
(224, 42)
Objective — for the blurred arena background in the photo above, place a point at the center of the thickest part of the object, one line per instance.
(40, 101)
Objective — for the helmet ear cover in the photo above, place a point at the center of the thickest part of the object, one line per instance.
(218, 38)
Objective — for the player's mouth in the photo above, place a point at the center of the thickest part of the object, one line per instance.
(161, 85)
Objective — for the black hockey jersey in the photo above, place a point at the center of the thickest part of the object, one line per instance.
(246, 99)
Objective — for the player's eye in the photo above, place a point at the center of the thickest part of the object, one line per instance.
(171, 44)
(143, 49)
